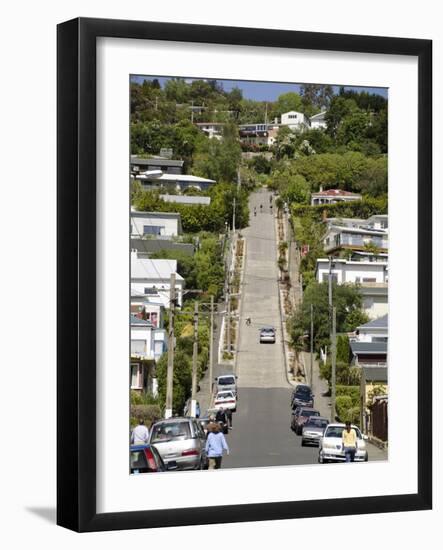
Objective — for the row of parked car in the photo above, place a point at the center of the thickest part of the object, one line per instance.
(316, 430)
(178, 443)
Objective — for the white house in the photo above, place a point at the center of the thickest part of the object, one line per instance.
(318, 122)
(147, 346)
(159, 224)
(370, 346)
(152, 278)
(146, 307)
(374, 331)
(349, 271)
(187, 199)
(371, 275)
(179, 182)
(295, 120)
(339, 238)
(333, 196)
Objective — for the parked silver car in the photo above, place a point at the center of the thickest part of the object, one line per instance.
(226, 382)
(180, 442)
(313, 430)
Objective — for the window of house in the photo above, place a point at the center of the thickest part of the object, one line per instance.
(136, 376)
(138, 347)
(369, 279)
(325, 277)
(151, 290)
(152, 229)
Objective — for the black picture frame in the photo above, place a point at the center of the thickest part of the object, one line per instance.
(76, 273)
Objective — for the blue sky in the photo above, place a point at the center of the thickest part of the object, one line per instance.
(266, 91)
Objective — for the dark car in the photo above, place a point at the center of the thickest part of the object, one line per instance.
(313, 430)
(144, 459)
(302, 396)
(302, 417)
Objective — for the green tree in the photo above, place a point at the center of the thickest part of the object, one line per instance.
(315, 97)
(339, 108)
(219, 159)
(289, 101)
(347, 301)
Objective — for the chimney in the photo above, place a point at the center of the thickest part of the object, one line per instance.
(276, 120)
(321, 189)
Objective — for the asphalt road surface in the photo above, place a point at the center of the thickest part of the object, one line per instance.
(261, 434)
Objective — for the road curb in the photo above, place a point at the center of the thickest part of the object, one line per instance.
(288, 375)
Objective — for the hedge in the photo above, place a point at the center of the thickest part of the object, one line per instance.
(350, 391)
(149, 413)
(355, 209)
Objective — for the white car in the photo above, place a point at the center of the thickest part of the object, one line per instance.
(267, 335)
(225, 400)
(331, 449)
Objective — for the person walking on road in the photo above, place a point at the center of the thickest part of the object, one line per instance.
(215, 447)
(349, 442)
(222, 418)
(248, 321)
(140, 434)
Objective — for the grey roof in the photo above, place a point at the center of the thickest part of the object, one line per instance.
(368, 348)
(141, 214)
(186, 199)
(375, 374)
(156, 161)
(380, 322)
(139, 322)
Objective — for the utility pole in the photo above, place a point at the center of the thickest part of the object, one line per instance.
(233, 218)
(333, 364)
(211, 350)
(228, 320)
(171, 350)
(330, 289)
(312, 348)
(194, 363)
(192, 112)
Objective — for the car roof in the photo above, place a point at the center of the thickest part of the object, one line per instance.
(341, 425)
(321, 418)
(267, 328)
(309, 409)
(226, 376)
(173, 420)
(225, 391)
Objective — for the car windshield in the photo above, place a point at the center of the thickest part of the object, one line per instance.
(302, 390)
(225, 395)
(168, 431)
(337, 431)
(267, 330)
(314, 423)
(226, 381)
(309, 413)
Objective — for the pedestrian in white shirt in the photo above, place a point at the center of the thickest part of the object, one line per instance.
(140, 434)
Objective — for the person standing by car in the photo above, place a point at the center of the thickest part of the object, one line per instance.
(349, 442)
(215, 447)
(222, 418)
(140, 434)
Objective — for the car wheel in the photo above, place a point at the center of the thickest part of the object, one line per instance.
(303, 443)
(320, 459)
(366, 457)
